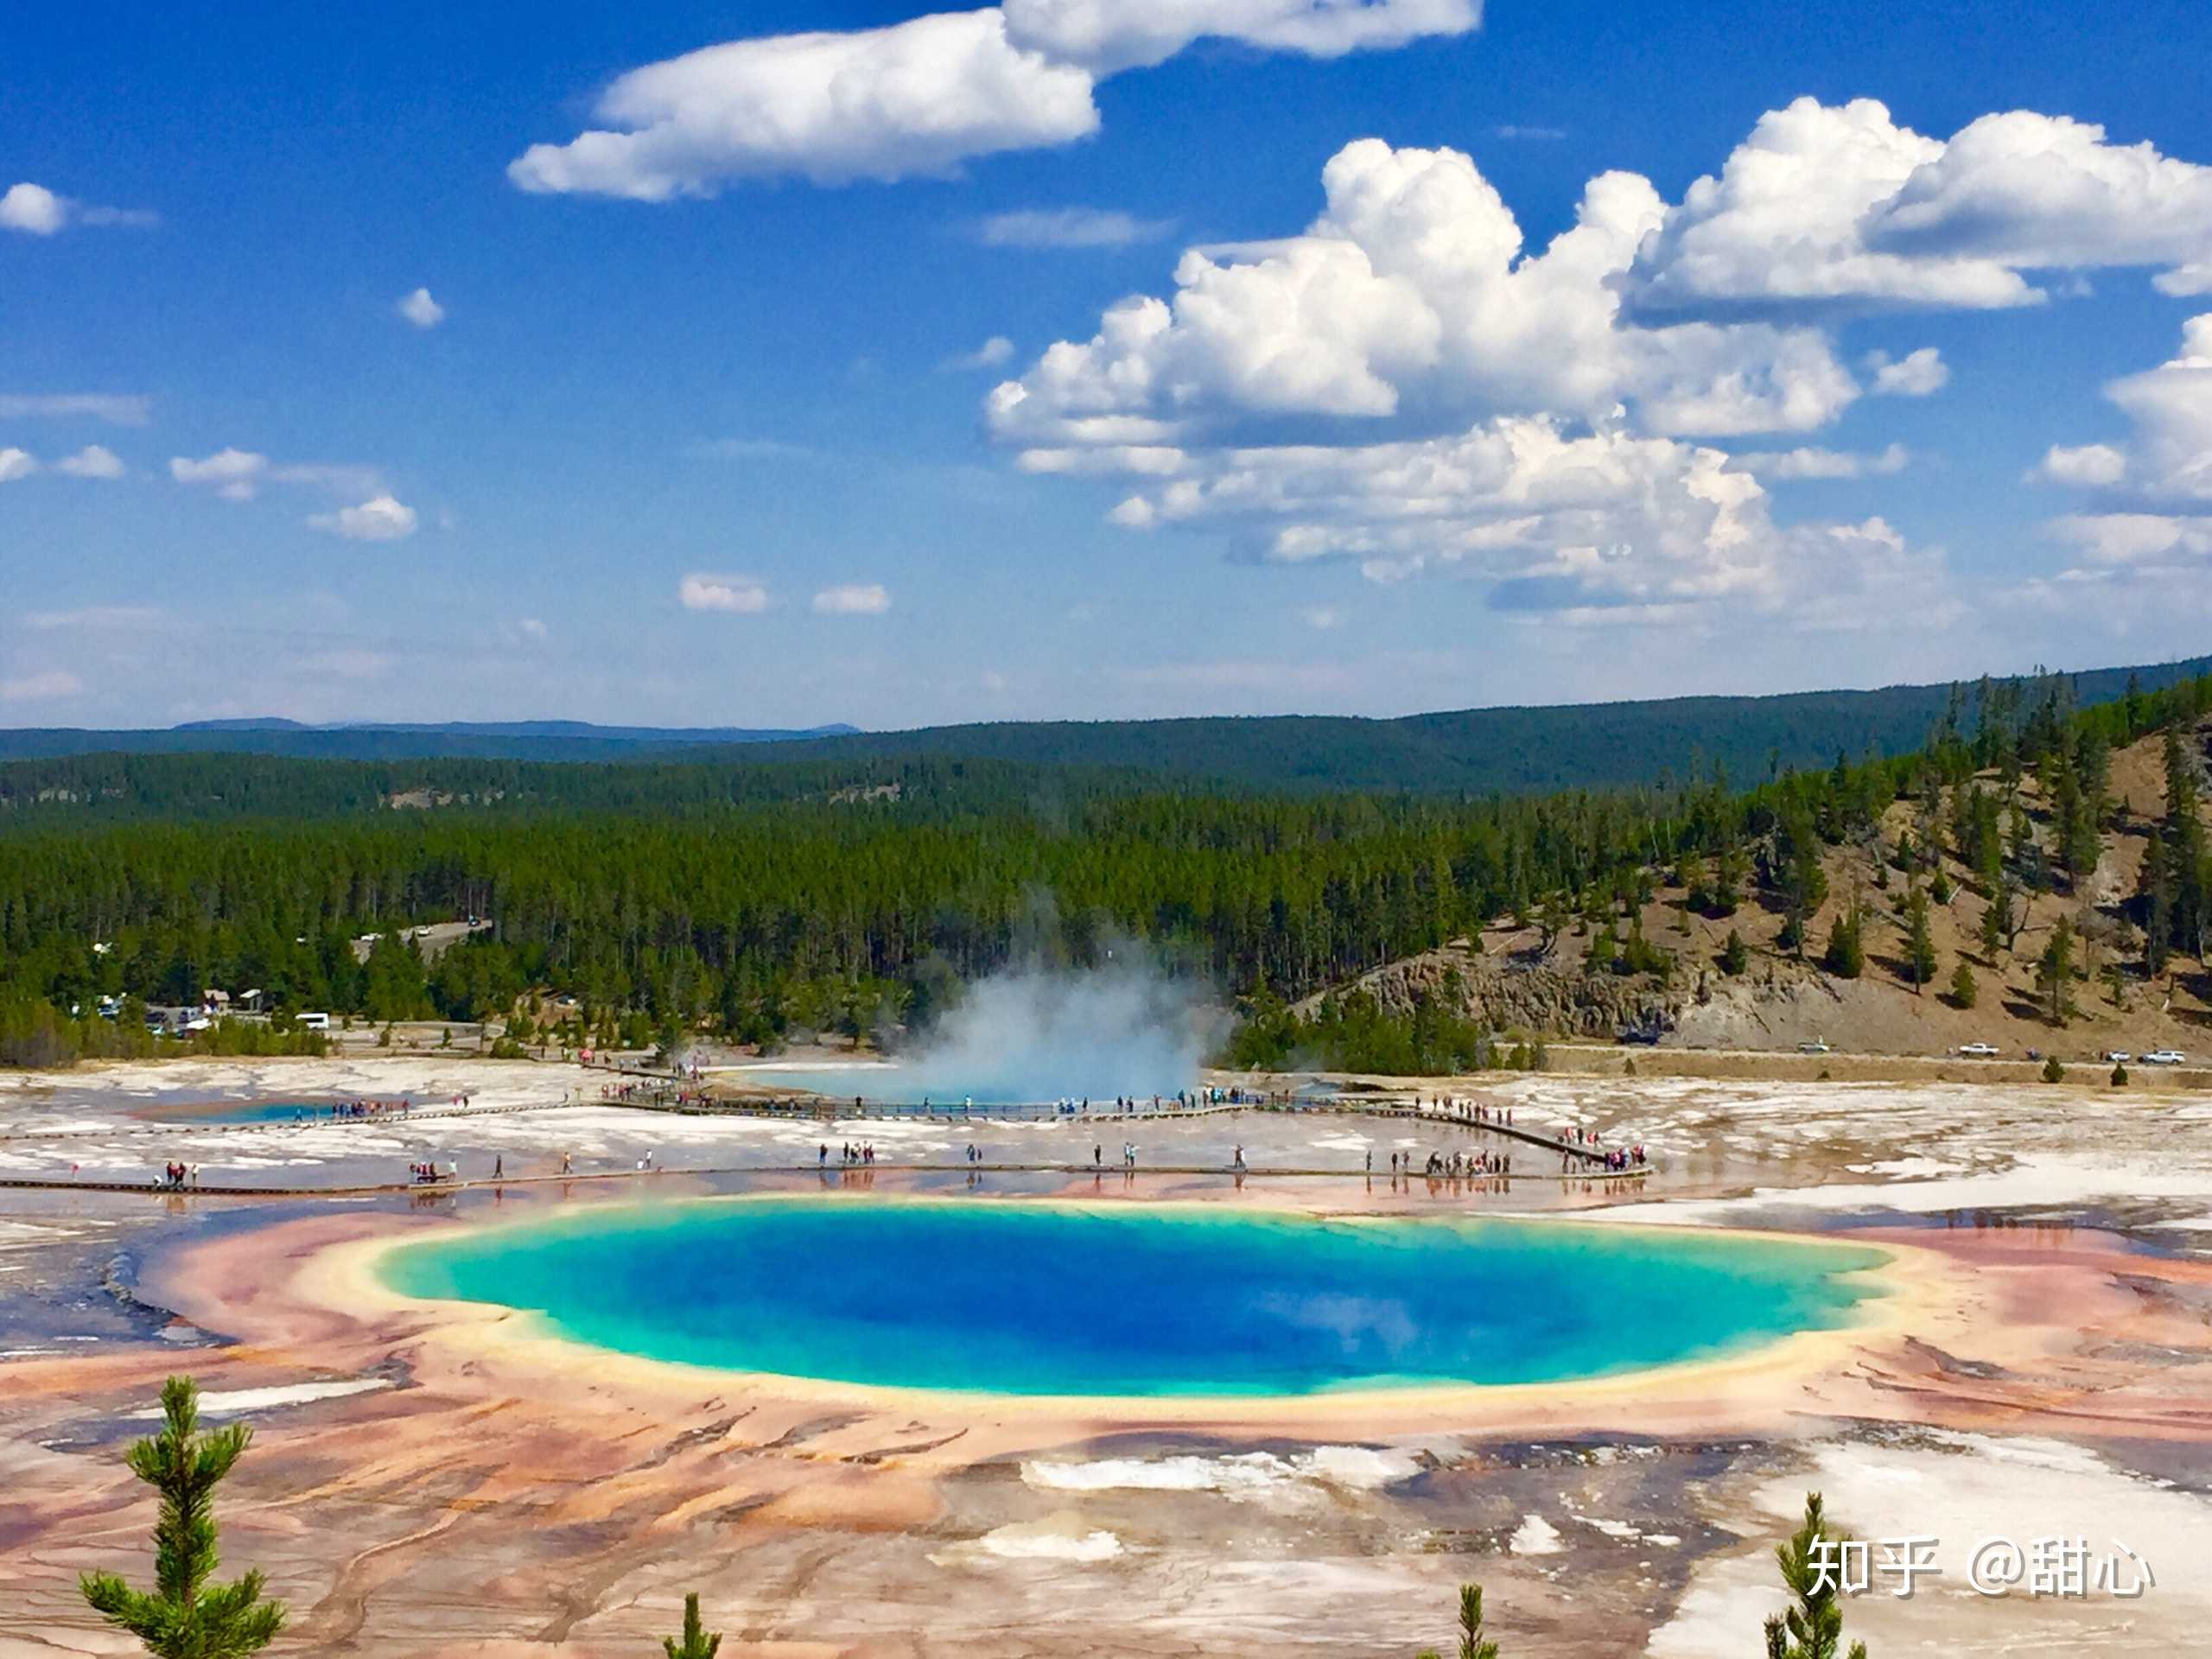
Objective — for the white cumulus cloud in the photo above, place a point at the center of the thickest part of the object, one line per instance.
(1917, 374)
(381, 519)
(37, 211)
(2149, 556)
(2169, 455)
(422, 310)
(1839, 204)
(912, 100)
(93, 460)
(2093, 464)
(2155, 540)
(917, 98)
(1414, 289)
(1468, 404)
(1595, 526)
(33, 209)
(852, 599)
(741, 595)
(14, 464)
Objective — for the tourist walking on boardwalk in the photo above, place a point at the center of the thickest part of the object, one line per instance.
(498, 1167)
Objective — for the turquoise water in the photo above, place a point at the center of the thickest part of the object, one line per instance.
(1050, 1299)
(250, 1111)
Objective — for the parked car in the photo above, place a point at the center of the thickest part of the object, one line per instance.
(1979, 1051)
(2116, 1056)
(2165, 1057)
(1815, 1048)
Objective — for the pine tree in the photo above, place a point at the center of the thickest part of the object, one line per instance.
(1964, 992)
(1920, 945)
(2156, 888)
(2054, 973)
(1847, 954)
(1996, 923)
(1735, 955)
(1472, 1643)
(183, 1616)
(696, 1642)
(1813, 1626)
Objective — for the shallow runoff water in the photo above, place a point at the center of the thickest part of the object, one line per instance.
(1030, 1298)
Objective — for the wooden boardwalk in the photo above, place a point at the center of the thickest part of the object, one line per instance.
(1581, 1161)
(836, 1174)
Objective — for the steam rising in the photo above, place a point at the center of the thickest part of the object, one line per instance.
(1044, 1035)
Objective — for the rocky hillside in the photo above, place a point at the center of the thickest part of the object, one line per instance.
(1529, 978)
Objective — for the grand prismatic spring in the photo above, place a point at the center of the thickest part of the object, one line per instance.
(1032, 1299)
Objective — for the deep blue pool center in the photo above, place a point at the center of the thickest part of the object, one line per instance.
(1027, 1298)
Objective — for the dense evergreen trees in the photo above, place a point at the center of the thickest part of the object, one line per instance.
(670, 897)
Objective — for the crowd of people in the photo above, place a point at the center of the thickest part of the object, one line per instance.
(363, 1109)
(1591, 1149)
(1454, 1166)
(652, 1089)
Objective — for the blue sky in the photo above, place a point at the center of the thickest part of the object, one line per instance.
(1091, 358)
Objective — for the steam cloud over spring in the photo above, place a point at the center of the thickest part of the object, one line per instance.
(1046, 1035)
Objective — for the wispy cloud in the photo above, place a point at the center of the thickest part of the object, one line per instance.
(988, 355)
(237, 475)
(234, 475)
(852, 599)
(116, 409)
(1812, 462)
(43, 687)
(1546, 135)
(383, 518)
(1070, 227)
(747, 449)
(96, 618)
(736, 596)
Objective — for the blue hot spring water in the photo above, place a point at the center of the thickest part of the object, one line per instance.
(247, 1111)
(1051, 1298)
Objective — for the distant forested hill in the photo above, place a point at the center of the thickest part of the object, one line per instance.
(1508, 751)
(522, 740)
(1478, 752)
